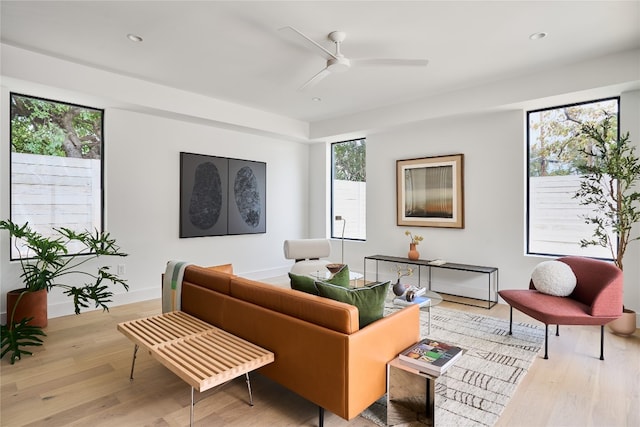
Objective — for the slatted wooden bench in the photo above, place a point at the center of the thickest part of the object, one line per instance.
(200, 354)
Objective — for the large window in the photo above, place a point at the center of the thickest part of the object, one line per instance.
(555, 219)
(348, 189)
(56, 166)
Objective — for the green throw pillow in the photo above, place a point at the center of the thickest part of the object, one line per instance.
(368, 299)
(341, 278)
(303, 283)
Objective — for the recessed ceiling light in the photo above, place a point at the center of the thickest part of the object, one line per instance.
(316, 99)
(538, 36)
(134, 38)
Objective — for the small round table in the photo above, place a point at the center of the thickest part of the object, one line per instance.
(434, 299)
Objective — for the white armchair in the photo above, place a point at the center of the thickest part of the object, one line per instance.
(307, 254)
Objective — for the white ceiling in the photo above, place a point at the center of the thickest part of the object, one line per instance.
(233, 51)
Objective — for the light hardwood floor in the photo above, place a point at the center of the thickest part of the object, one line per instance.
(80, 377)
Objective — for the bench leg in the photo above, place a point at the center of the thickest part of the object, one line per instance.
(249, 388)
(320, 416)
(191, 410)
(601, 342)
(546, 341)
(133, 361)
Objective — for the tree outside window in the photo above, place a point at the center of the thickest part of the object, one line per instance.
(348, 189)
(555, 219)
(56, 165)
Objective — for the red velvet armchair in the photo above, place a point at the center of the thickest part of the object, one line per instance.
(596, 299)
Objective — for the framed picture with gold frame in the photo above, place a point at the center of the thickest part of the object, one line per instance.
(430, 191)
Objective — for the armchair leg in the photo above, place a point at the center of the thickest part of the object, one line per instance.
(546, 341)
(510, 319)
(320, 416)
(601, 342)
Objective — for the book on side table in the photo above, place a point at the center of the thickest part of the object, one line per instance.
(430, 356)
(419, 300)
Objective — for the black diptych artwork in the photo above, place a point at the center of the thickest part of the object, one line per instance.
(220, 196)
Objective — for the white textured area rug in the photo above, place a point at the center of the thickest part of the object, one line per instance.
(475, 390)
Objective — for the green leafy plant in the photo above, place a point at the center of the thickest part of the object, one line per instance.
(20, 335)
(609, 178)
(46, 263)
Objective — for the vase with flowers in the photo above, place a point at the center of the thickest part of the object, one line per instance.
(400, 288)
(415, 240)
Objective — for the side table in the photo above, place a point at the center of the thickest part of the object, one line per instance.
(410, 396)
(434, 299)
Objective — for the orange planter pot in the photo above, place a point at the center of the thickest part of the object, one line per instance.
(32, 304)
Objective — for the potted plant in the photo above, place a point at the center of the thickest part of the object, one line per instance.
(608, 185)
(46, 264)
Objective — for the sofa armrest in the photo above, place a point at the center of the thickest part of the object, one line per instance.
(371, 348)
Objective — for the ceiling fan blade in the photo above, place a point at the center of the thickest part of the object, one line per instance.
(389, 61)
(325, 53)
(315, 79)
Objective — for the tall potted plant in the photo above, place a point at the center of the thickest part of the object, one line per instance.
(608, 185)
(46, 264)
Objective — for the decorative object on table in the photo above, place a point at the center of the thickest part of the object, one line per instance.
(413, 292)
(221, 196)
(415, 241)
(334, 268)
(430, 191)
(344, 223)
(44, 264)
(430, 356)
(401, 271)
(607, 184)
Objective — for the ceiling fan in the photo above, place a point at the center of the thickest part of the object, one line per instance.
(338, 63)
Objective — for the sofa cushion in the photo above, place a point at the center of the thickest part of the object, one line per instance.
(305, 283)
(369, 299)
(554, 278)
(341, 278)
(301, 282)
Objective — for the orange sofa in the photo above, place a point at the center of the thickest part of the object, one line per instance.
(320, 351)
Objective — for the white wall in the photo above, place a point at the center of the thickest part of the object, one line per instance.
(493, 150)
(495, 196)
(142, 199)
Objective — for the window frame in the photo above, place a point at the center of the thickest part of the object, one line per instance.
(336, 232)
(528, 209)
(101, 190)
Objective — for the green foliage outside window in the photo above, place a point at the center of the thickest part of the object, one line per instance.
(349, 160)
(55, 129)
(556, 143)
